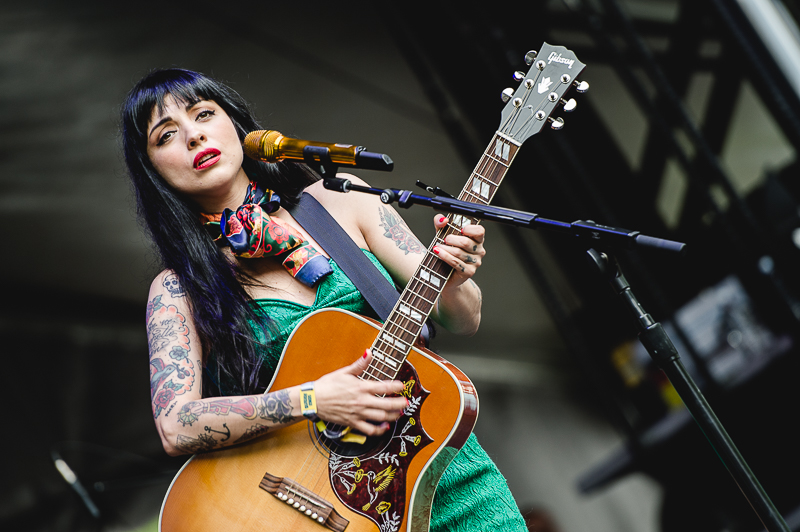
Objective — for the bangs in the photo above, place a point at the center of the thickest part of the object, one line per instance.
(153, 91)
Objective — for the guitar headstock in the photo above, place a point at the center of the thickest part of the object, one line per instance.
(554, 70)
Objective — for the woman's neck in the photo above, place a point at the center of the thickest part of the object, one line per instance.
(229, 197)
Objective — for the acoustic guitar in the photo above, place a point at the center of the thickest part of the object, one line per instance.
(315, 477)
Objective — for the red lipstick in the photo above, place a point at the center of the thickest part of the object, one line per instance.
(206, 158)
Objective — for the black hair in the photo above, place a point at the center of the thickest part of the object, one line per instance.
(221, 308)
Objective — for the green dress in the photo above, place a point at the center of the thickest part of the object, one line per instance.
(472, 493)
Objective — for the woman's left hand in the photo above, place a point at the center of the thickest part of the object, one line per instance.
(464, 252)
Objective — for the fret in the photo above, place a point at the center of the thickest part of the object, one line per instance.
(382, 345)
(406, 324)
(424, 289)
(494, 158)
(395, 342)
(386, 360)
(382, 353)
(412, 314)
(462, 220)
(388, 376)
(473, 198)
(486, 178)
(423, 298)
(490, 174)
(482, 186)
(431, 277)
(404, 332)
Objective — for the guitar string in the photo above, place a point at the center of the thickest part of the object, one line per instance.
(422, 292)
(314, 461)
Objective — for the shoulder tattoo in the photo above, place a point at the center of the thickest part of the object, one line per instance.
(173, 285)
(396, 229)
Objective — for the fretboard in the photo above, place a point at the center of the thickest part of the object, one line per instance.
(405, 322)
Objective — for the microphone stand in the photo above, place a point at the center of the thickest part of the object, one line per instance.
(585, 229)
(651, 335)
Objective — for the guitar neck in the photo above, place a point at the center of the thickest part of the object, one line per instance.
(405, 322)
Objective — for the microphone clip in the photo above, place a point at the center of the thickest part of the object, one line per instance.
(319, 159)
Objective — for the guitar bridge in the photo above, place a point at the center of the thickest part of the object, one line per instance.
(304, 501)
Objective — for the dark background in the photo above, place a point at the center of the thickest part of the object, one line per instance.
(689, 132)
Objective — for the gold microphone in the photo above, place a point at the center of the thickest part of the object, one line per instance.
(271, 146)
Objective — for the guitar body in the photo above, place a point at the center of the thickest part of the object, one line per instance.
(290, 480)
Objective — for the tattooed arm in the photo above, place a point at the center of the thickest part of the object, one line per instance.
(189, 423)
(186, 422)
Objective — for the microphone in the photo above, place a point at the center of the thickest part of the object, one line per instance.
(272, 146)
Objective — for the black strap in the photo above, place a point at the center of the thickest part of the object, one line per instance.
(376, 289)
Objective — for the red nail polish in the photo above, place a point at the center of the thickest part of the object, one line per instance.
(364, 355)
(436, 250)
(442, 219)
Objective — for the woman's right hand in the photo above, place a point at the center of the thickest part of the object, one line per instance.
(345, 399)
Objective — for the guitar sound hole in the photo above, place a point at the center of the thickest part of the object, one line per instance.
(329, 446)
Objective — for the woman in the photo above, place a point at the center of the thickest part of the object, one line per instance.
(218, 316)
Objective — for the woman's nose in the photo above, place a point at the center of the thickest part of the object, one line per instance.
(194, 138)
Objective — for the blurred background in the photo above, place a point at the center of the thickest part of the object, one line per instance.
(689, 132)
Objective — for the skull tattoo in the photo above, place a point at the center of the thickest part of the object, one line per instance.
(173, 285)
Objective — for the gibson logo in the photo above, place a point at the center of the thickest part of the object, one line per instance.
(556, 58)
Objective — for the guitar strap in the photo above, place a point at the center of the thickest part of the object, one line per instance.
(376, 289)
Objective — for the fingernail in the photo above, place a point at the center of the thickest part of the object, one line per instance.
(436, 250)
(385, 425)
(442, 219)
(408, 403)
(365, 354)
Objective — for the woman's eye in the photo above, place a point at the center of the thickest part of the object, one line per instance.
(205, 113)
(164, 137)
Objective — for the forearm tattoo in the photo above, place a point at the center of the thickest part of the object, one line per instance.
(253, 432)
(396, 229)
(188, 445)
(275, 407)
(166, 326)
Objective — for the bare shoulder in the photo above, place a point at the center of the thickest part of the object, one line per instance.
(350, 209)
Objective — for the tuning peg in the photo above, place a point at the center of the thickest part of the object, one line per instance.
(519, 75)
(569, 105)
(507, 94)
(530, 56)
(555, 123)
(581, 86)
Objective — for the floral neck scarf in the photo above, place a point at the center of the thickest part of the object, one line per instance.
(251, 233)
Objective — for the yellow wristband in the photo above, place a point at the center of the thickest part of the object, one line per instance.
(308, 401)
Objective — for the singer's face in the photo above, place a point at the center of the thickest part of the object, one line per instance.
(195, 148)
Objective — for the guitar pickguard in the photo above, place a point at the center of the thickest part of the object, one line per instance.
(374, 484)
